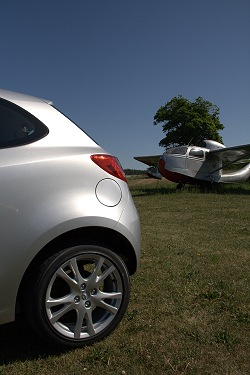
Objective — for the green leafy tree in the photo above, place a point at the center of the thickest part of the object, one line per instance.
(185, 122)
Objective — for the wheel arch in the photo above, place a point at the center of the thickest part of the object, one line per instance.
(105, 237)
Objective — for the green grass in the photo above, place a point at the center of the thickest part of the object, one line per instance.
(189, 310)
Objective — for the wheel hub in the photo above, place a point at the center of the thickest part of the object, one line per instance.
(85, 296)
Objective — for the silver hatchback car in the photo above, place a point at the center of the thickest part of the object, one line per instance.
(69, 233)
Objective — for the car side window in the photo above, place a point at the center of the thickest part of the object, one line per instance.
(18, 127)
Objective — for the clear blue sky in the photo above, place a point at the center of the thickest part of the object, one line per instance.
(110, 64)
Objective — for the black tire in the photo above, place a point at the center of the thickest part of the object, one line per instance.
(79, 296)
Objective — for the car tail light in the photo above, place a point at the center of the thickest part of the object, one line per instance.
(109, 164)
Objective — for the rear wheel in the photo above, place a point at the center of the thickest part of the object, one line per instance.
(79, 296)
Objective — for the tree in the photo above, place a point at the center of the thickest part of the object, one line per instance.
(185, 122)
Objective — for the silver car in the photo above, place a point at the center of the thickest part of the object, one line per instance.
(69, 233)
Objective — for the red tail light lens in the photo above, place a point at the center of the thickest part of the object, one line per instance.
(109, 164)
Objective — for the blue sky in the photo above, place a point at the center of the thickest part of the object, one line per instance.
(110, 64)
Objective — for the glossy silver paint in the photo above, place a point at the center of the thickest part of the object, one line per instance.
(52, 187)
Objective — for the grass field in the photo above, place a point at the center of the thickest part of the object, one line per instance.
(189, 311)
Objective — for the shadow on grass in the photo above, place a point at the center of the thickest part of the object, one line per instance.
(221, 189)
(19, 343)
(152, 191)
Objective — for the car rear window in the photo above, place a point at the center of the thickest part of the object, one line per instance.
(18, 127)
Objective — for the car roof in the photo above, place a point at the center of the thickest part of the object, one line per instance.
(16, 96)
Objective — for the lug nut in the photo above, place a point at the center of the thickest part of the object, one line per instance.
(83, 286)
(87, 304)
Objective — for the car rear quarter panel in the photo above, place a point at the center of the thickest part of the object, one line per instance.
(39, 201)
